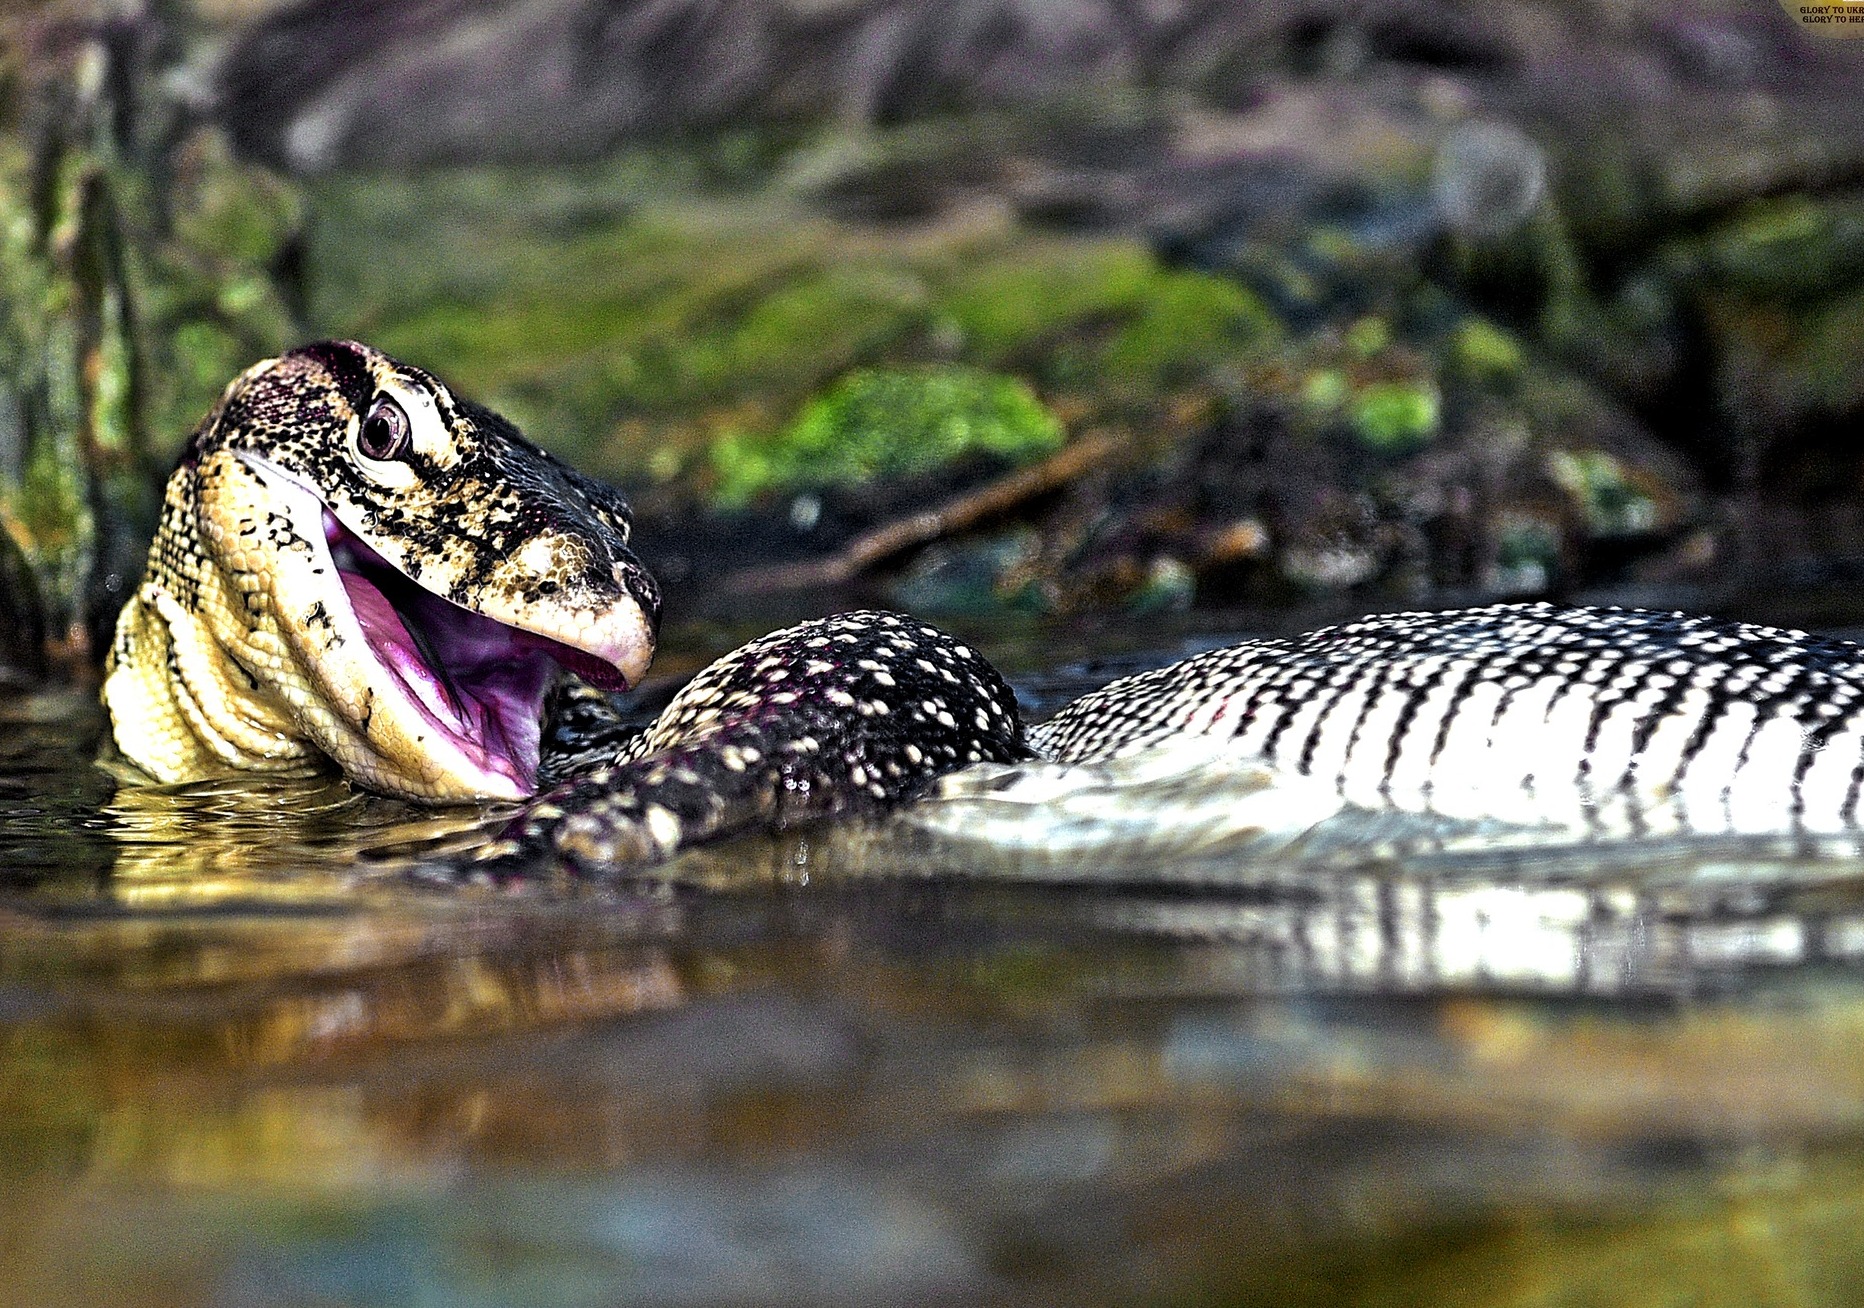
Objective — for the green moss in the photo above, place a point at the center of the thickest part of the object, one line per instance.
(1325, 389)
(1368, 336)
(208, 356)
(243, 214)
(1480, 349)
(889, 423)
(1082, 315)
(1181, 324)
(1018, 300)
(841, 315)
(1396, 415)
(133, 285)
(633, 330)
(210, 297)
(52, 511)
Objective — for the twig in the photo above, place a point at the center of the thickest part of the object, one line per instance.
(941, 520)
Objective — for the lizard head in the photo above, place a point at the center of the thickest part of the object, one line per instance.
(356, 562)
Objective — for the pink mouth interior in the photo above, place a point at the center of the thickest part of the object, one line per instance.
(481, 682)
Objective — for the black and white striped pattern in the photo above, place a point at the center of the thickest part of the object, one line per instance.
(1613, 721)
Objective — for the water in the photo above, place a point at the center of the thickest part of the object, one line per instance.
(249, 1061)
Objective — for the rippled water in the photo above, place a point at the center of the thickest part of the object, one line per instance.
(249, 1061)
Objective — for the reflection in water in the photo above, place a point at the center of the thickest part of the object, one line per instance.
(1311, 894)
(278, 837)
(245, 1060)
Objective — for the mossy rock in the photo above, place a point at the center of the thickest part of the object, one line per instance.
(1481, 351)
(1084, 314)
(889, 423)
(633, 327)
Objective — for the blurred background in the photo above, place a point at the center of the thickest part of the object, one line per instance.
(1006, 311)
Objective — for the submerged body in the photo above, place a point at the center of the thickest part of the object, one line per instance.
(355, 565)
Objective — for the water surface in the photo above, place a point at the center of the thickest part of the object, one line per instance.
(250, 1060)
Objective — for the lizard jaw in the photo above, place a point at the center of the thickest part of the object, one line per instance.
(432, 700)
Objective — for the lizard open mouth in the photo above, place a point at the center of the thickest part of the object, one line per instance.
(417, 695)
(481, 682)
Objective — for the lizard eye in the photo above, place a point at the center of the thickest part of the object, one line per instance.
(384, 433)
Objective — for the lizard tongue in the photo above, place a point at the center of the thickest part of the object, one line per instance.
(480, 681)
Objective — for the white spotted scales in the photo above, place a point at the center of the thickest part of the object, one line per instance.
(843, 714)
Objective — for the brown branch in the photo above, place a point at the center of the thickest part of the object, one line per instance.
(954, 515)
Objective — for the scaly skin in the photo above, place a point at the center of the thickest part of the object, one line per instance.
(839, 715)
(239, 650)
(243, 651)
